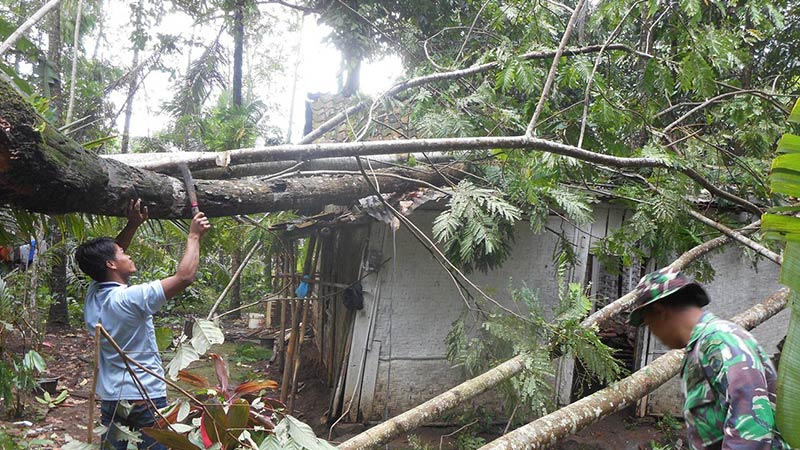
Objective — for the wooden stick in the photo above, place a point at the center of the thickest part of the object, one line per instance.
(310, 263)
(92, 406)
(282, 333)
(287, 361)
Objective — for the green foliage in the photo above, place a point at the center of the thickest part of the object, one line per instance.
(19, 379)
(783, 179)
(50, 401)
(669, 426)
(250, 353)
(476, 230)
(538, 337)
(469, 441)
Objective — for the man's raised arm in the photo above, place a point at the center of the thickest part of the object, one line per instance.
(187, 268)
(137, 215)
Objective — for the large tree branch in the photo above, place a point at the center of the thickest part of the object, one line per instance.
(300, 152)
(153, 160)
(551, 75)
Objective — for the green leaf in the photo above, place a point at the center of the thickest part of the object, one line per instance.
(34, 361)
(164, 337)
(181, 428)
(215, 422)
(790, 269)
(693, 9)
(787, 408)
(238, 413)
(789, 143)
(302, 434)
(781, 227)
(794, 116)
(21, 83)
(784, 174)
(170, 439)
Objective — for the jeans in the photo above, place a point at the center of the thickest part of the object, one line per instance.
(140, 416)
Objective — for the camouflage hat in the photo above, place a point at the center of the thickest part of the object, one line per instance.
(658, 285)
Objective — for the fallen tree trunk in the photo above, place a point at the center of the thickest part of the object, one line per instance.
(157, 161)
(306, 152)
(465, 391)
(41, 170)
(570, 419)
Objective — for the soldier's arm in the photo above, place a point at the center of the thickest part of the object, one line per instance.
(739, 379)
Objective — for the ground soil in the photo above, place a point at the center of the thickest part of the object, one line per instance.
(69, 354)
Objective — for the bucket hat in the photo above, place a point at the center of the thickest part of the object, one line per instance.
(659, 285)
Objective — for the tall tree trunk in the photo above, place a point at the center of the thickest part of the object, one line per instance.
(238, 51)
(132, 84)
(58, 315)
(52, 80)
(76, 49)
(238, 56)
(236, 287)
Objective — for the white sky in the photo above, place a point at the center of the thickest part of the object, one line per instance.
(317, 72)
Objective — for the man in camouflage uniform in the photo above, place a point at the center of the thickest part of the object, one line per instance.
(728, 380)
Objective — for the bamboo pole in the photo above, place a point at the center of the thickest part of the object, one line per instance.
(547, 430)
(434, 407)
(287, 361)
(233, 279)
(19, 32)
(310, 263)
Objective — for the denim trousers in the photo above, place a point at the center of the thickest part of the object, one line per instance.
(140, 416)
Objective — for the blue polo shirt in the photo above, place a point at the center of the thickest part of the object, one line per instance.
(126, 312)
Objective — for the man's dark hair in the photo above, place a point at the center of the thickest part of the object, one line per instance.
(692, 295)
(93, 254)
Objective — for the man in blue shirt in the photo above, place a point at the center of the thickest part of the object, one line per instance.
(126, 312)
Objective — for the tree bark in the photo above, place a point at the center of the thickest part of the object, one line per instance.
(76, 48)
(238, 50)
(52, 88)
(41, 170)
(58, 315)
(145, 160)
(132, 83)
(236, 288)
(547, 430)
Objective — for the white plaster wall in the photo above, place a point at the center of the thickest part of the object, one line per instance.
(416, 305)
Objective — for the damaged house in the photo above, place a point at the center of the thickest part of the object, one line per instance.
(382, 345)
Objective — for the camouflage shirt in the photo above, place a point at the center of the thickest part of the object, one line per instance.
(729, 383)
